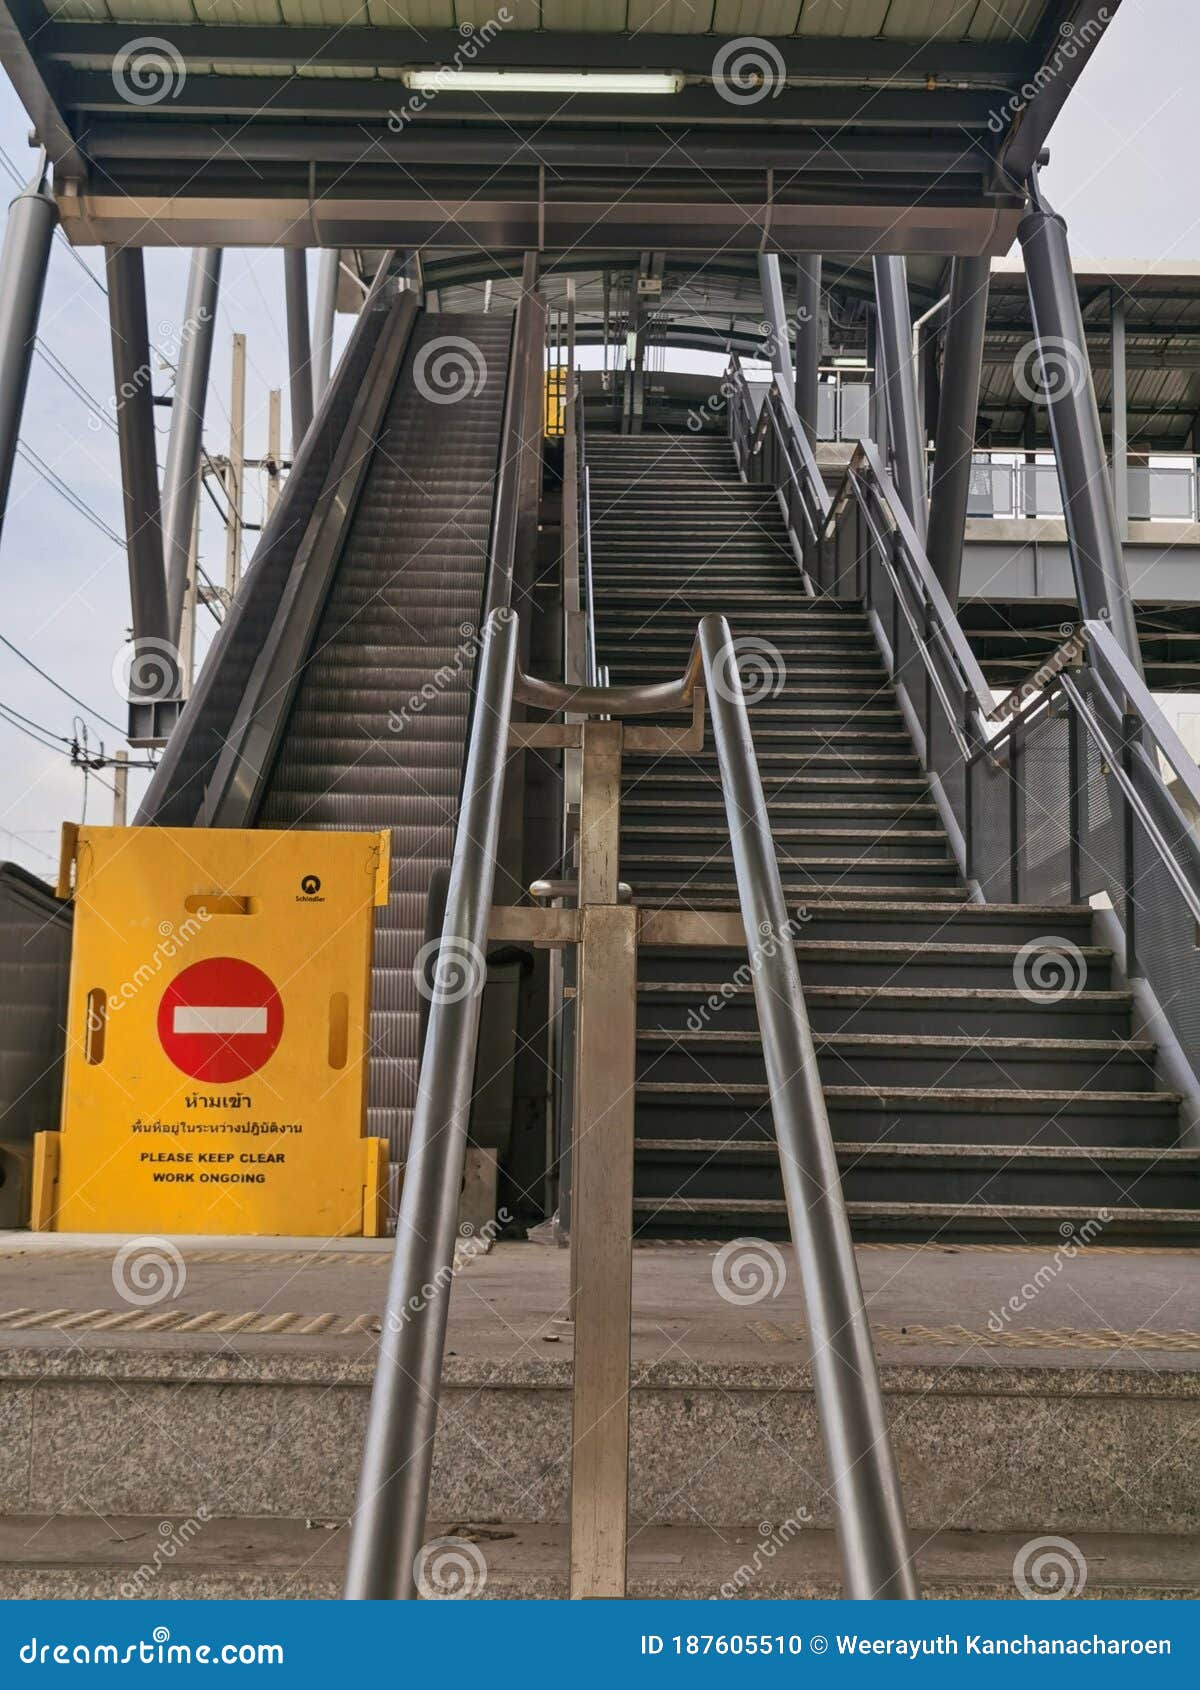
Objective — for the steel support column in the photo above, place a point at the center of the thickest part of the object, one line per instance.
(328, 273)
(1097, 555)
(295, 281)
(1120, 414)
(181, 482)
(135, 431)
(32, 219)
(775, 317)
(958, 407)
(808, 342)
(904, 423)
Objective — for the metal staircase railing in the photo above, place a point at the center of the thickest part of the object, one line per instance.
(389, 1520)
(1074, 788)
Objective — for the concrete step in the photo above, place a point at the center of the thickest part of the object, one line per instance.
(128, 1556)
(965, 1176)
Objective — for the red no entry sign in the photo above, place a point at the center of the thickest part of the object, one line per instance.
(220, 1020)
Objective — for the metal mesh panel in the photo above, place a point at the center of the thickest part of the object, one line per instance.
(1046, 812)
(990, 830)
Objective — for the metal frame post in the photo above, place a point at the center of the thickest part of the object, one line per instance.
(808, 343)
(328, 274)
(958, 407)
(24, 260)
(602, 1178)
(900, 386)
(135, 434)
(181, 483)
(300, 374)
(1097, 554)
(1120, 414)
(770, 280)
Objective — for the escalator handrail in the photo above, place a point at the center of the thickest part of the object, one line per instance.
(511, 500)
(202, 713)
(389, 1522)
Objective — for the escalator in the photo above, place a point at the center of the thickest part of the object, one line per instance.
(338, 693)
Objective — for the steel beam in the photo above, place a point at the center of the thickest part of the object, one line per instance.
(958, 409)
(894, 318)
(300, 378)
(181, 482)
(1071, 32)
(808, 342)
(779, 347)
(24, 258)
(132, 372)
(328, 274)
(990, 64)
(848, 221)
(38, 84)
(1097, 556)
(320, 99)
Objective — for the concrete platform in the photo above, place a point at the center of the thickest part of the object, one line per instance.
(1031, 1391)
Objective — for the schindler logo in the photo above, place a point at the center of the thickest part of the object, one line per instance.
(310, 890)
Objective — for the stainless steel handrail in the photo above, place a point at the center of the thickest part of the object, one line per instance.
(388, 1527)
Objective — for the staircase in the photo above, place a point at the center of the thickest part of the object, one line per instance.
(967, 1100)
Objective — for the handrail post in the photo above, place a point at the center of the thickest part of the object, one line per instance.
(870, 1510)
(389, 1518)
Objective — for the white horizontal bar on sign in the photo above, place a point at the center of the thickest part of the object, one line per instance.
(219, 1018)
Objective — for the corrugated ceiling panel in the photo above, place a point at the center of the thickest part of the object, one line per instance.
(671, 17)
(1005, 20)
(583, 14)
(926, 20)
(80, 11)
(756, 17)
(842, 17)
(408, 14)
(523, 14)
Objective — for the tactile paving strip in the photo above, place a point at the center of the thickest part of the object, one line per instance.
(1011, 1338)
(254, 1322)
(203, 1257)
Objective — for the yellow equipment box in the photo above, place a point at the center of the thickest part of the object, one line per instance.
(216, 1064)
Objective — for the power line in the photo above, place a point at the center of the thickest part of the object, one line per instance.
(66, 492)
(100, 717)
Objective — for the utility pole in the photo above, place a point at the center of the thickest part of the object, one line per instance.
(235, 468)
(191, 603)
(120, 769)
(274, 445)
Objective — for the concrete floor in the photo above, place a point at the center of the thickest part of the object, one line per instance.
(1067, 1306)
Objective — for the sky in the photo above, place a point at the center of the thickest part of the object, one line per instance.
(1122, 171)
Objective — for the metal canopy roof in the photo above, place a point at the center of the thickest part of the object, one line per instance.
(898, 125)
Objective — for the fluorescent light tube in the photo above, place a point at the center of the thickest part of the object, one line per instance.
(431, 79)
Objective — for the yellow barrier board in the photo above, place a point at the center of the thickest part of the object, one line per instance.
(216, 1063)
